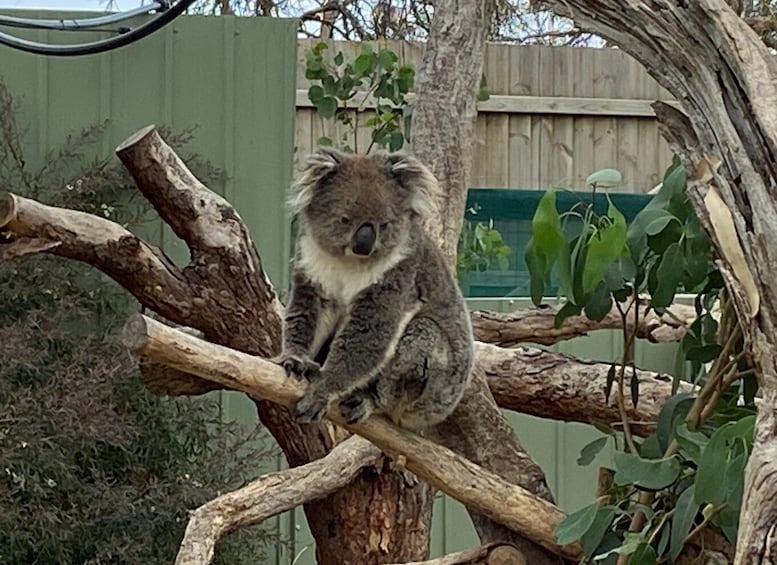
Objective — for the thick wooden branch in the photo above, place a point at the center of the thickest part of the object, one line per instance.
(535, 325)
(28, 227)
(489, 554)
(501, 501)
(558, 386)
(270, 495)
(232, 286)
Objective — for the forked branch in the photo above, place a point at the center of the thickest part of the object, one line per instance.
(465, 481)
(270, 495)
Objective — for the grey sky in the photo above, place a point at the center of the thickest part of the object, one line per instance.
(63, 4)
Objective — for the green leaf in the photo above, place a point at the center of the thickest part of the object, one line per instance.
(546, 228)
(634, 388)
(386, 59)
(315, 93)
(605, 178)
(599, 303)
(364, 64)
(650, 474)
(704, 353)
(327, 107)
(565, 272)
(668, 275)
(685, 511)
(324, 141)
(604, 247)
(535, 261)
(574, 526)
(339, 58)
(735, 481)
(657, 225)
(396, 140)
(710, 476)
(691, 442)
(567, 310)
(610, 381)
(650, 449)
(644, 555)
(676, 407)
(590, 451)
(591, 539)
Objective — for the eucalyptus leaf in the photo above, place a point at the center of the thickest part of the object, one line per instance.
(644, 555)
(668, 274)
(605, 178)
(599, 303)
(326, 106)
(315, 93)
(590, 451)
(685, 511)
(604, 247)
(546, 228)
(650, 474)
(676, 406)
(535, 261)
(574, 526)
(567, 310)
(593, 537)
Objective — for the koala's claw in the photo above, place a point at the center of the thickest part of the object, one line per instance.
(299, 367)
(310, 408)
(355, 408)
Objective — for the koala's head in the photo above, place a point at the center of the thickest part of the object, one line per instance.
(362, 206)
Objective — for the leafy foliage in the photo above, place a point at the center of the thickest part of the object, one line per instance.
(93, 469)
(689, 474)
(480, 248)
(375, 74)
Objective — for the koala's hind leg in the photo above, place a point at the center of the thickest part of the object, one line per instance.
(415, 388)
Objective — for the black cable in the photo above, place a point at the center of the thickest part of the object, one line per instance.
(81, 24)
(102, 45)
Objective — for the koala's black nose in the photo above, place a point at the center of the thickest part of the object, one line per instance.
(363, 240)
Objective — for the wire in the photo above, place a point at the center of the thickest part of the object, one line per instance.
(80, 24)
(162, 19)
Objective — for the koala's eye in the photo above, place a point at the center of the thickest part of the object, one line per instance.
(384, 225)
(345, 220)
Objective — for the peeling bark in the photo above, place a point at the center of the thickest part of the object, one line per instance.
(535, 325)
(558, 386)
(725, 81)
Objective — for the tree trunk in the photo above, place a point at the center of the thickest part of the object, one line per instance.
(725, 79)
(442, 133)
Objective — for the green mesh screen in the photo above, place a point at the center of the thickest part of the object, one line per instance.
(511, 212)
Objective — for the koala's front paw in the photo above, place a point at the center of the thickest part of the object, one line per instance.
(299, 367)
(356, 408)
(311, 407)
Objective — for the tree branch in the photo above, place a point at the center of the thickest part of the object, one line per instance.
(270, 495)
(30, 227)
(535, 325)
(501, 501)
(490, 554)
(558, 386)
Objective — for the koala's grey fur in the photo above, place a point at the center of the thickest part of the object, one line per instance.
(376, 321)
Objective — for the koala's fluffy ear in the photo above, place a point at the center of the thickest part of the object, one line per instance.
(417, 179)
(318, 164)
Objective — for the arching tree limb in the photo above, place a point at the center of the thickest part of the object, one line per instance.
(270, 495)
(508, 504)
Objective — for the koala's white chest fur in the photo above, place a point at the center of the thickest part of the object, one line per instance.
(342, 279)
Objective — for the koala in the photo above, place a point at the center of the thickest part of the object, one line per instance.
(376, 322)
